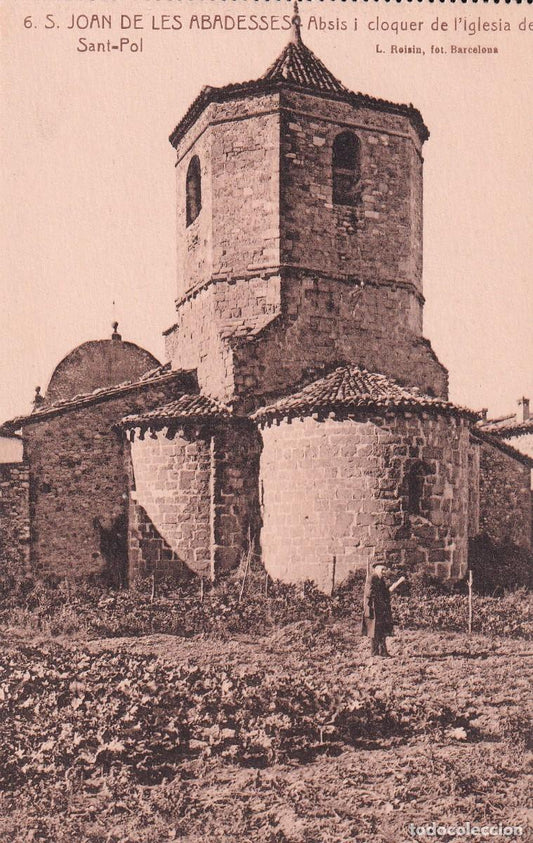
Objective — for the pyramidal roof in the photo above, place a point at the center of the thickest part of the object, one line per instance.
(296, 67)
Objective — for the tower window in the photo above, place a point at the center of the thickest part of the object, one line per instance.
(346, 168)
(193, 189)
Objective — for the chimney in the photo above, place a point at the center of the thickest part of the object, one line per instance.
(524, 415)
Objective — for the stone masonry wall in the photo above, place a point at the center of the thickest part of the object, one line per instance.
(237, 229)
(148, 552)
(505, 497)
(79, 486)
(346, 282)
(205, 322)
(97, 364)
(171, 502)
(14, 518)
(237, 525)
(242, 144)
(473, 488)
(341, 489)
(195, 242)
(325, 322)
(258, 337)
(380, 239)
(194, 498)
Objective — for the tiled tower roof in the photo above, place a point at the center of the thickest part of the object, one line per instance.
(299, 65)
(351, 388)
(296, 67)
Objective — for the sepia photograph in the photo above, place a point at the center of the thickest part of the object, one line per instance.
(266, 443)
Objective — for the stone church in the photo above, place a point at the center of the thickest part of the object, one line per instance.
(300, 407)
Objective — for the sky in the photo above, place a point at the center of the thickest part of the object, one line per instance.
(88, 173)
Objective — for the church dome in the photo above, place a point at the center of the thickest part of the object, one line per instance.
(98, 364)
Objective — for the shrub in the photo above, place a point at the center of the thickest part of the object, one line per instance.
(498, 567)
(499, 616)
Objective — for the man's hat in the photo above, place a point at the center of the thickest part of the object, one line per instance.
(381, 564)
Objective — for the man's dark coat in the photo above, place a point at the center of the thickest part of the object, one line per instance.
(377, 615)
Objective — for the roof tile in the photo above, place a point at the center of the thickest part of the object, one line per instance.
(299, 65)
(497, 441)
(185, 407)
(350, 388)
(296, 67)
(507, 428)
(161, 374)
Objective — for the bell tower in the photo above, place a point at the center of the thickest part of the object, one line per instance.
(299, 219)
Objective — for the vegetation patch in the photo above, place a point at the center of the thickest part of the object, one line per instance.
(298, 736)
(90, 610)
(253, 711)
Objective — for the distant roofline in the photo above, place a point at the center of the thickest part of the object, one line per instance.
(490, 438)
(507, 431)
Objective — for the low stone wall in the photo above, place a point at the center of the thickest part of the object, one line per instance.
(14, 518)
(505, 497)
(339, 494)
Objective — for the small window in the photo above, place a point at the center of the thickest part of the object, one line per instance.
(415, 488)
(193, 189)
(346, 168)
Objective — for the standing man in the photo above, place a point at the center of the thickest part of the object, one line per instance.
(377, 615)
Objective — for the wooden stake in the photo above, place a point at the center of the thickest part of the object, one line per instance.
(333, 567)
(152, 595)
(368, 570)
(266, 585)
(247, 565)
(201, 589)
(470, 614)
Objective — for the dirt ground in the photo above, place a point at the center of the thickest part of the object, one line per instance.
(462, 756)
